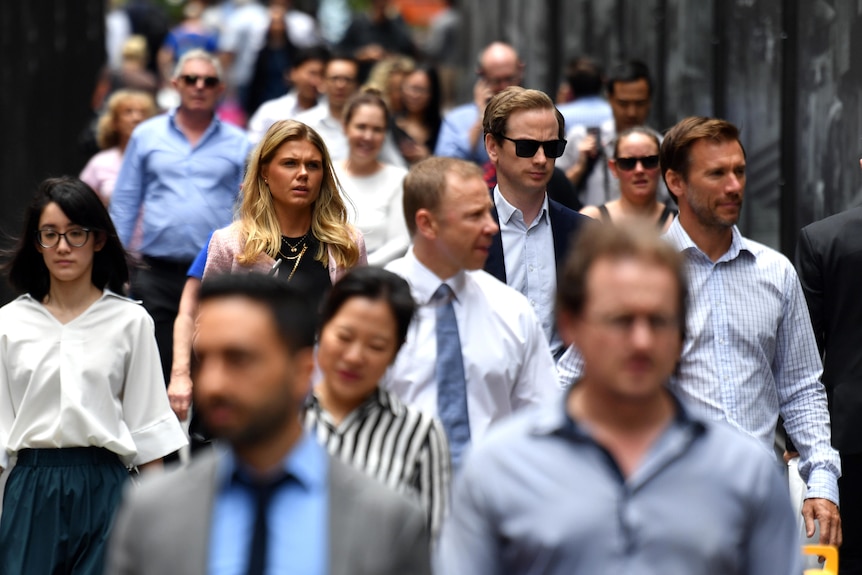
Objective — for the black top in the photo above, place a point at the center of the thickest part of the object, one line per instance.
(666, 213)
(310, 273)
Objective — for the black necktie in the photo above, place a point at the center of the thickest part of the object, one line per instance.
(262, 494)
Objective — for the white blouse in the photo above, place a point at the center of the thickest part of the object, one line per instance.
(94, 381)
(375, 207)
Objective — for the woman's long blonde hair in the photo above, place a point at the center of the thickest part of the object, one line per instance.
(258, 224)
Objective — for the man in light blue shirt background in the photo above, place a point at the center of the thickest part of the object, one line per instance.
(619, 477)
(181, 171)
(585, 85)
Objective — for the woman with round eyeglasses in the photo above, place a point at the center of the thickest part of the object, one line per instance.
(375, 188)
(81, 382)
(418, 123)
(365, 321)
(636, 165)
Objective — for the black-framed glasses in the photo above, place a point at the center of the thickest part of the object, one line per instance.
(76, 237)
(192, 80)
(629, 164)
(528, 148)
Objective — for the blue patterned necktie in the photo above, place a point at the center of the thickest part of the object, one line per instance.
(451, 385)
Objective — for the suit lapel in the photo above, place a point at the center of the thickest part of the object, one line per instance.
(340, 505)
(192, 522)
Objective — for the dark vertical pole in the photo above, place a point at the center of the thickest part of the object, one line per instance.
(555, 43)
(720, 45)
(660, 84)
(788, 191)
(625, 48)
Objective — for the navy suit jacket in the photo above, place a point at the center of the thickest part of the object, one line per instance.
(565, 225)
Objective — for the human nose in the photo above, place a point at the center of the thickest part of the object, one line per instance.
(353, 353)
(491, 226)
(642, 333)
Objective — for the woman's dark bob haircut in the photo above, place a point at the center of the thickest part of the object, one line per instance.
(27, 271)
(373, 283)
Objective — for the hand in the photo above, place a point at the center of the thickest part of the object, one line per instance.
(412, 151)
(588, 147)
(788, 455)
(482, 94)
(180, 394)
(826, 513)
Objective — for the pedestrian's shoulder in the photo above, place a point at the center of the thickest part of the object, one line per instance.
(461, 113)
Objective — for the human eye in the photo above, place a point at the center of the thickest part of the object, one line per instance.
(49, 235)
(314, 165)
(289, 163)
(77, 234)
(662, 323)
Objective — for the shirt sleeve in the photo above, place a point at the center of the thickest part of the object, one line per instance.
(196, 270)
(434, 476)
(397, 236)
(453, 139)
(129, 192)
(537, 379)
(802, 397)
(146, 411)
(7, 412)
(469, 540)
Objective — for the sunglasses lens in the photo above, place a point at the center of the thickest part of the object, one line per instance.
(554, 148)
(628, 164)
(650, 162)
(210, 81)
(526, 148)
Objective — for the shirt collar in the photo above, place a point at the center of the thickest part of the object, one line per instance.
(677, 235)
(505, 210)
(306, 462)
(424, 282)
(214, 124)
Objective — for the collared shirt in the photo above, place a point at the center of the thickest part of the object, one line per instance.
(704, 499)
(531, 266)
(376, 208)
(586, 111)
(185, 191)
(94, 381)
(321, 120)
(396, 444)
(507, 362)
(283, 108)
(750, 352)
(453, 141)
(298, 515)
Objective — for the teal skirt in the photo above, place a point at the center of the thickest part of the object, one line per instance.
(58, 508)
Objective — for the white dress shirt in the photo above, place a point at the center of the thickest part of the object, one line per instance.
(284, 108)
(531, 267)
(375, 207)
(94, 381)
(507, 362)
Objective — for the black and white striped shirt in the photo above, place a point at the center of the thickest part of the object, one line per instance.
(395, 443)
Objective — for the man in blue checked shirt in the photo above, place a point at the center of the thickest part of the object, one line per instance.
(181, 170)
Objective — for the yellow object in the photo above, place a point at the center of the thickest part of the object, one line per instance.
(830, 552)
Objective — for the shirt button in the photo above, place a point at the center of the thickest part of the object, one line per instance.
(533, 302)
(532, 268)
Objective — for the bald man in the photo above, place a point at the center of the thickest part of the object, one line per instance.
(499, 67)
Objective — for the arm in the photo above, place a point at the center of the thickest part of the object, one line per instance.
(434, 476)
(128, 192)
(180, 387)
(537, 379)
(811, 278)
(397, 236)
(460, 135)
(802, 399)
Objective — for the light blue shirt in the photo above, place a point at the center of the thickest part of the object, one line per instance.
(185, 191)
(540, 496)
(587, 111)
(298, 516)
(453, 141)
(750, 353)
(531, 266)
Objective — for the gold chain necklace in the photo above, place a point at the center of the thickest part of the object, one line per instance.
(294, 247)
(296, 259)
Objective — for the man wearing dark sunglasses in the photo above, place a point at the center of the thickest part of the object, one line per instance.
(523, 138)
(182, 171)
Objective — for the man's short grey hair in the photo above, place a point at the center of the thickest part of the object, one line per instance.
(198, 54)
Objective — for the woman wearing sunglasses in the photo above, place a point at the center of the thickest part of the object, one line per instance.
(635, 165)
(365, 321)
(81, 388)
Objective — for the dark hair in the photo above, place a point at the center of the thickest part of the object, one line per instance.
(432, 115)
(638, 240)
(292, 306)
(649, 132)
(584, 76)
(303, 55)
(676, 145)
(365, 97)
(630, 71)
(373, 283)
(27, 270)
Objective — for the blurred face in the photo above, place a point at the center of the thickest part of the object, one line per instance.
(191, 84)
(416, 92)
(339, 82)
(637, 185)
(630, 104)
(129, 114)
(307, 79)
(500, 70)
(628, 331)
(294, 175)
(525, 175)
(356, 347)
(248, 387)
(365, 132)
(711, 195)
(463, 226)
(66, 264)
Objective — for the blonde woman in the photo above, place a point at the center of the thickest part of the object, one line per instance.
(292, 223)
